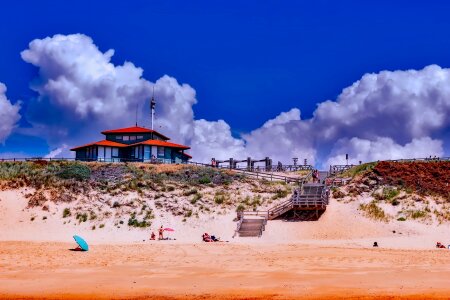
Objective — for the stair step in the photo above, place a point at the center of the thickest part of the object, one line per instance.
(253, 221)
(249, 233)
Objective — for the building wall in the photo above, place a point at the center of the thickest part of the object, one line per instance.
(140, 152)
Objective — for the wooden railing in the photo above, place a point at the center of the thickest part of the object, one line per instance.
(280, 209)
(337, 169)
(257, 213)
(260, 175)
(238, 227)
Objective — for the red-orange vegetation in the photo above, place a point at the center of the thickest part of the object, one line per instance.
(423, 177)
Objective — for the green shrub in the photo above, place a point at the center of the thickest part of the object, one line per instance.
(401, 219)
(196, 197)
(190, 192)
(418, 214)
(101, 226)
(66, 212)
(92, 216)
(395, 202)
(219, 199)
(204, 180)
(133, 222)
(359, 169)
(240, 207)
(256, 201)
(75, 171)
(390, 193)
(372, 210)
(280, 194)
(338, 194)
(82, 217)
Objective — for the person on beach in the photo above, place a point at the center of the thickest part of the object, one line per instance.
(315, 176)
(440, 245)
(153, 236)
(207, 238)
(160, 232)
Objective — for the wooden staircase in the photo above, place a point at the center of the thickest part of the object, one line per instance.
(306, 203)
(251, 226)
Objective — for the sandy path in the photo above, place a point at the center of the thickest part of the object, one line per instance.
(220, 271)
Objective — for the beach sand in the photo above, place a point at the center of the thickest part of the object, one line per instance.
(220, 271)
(327, 259)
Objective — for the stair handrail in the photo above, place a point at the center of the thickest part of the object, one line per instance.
(238, 226)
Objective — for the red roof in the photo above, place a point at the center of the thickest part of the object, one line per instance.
(162, 143)
(134, 129)
(101, 143)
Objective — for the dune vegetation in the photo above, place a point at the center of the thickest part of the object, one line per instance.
(133, 194)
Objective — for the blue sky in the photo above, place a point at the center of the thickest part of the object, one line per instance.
(247, 60)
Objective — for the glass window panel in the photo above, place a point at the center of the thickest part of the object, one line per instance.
(160, 151)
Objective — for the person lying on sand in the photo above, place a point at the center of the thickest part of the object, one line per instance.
(210, 238)
(440, 245)
(207, 238)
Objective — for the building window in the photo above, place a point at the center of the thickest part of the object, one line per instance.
(132, 138)
(160, 151)
(115, 152)
(140, 137)
(136, 152)
(147, 152)
(119, 137)
(126, 138)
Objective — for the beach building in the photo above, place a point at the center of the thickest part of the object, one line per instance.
(133, 144)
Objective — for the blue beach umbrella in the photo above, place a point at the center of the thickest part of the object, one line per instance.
(82, 243)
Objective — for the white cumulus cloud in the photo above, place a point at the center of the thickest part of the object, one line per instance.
(383, 149)
(9, 114)
(390, 114)
(82, 93)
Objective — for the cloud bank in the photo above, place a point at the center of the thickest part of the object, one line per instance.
(9, 114)
(387, 115)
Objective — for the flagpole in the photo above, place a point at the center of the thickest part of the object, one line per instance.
(152, 107)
